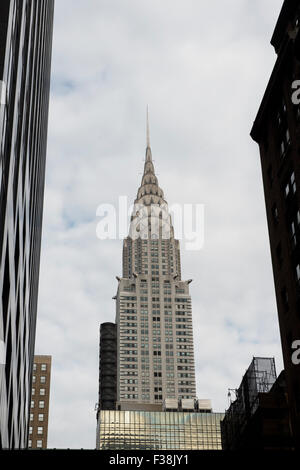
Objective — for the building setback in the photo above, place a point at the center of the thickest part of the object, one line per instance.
(39, 405)
(277, 131)
(25, 57)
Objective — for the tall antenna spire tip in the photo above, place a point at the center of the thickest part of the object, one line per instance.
(148, 132)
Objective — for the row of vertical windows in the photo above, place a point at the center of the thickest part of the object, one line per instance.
(289, 190)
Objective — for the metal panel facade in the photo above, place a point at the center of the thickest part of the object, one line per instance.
(25, 58)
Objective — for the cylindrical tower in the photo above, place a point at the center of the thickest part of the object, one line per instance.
(108, 366)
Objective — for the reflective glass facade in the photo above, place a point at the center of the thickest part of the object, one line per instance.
(142, 430)
(25, 57)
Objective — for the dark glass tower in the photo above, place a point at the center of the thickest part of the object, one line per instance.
(25, 57)
(277, 131)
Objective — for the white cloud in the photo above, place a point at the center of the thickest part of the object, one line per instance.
(202, 67)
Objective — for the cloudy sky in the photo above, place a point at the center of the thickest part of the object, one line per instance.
(202, 67)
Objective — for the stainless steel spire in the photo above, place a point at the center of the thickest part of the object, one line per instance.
(148, 132)
(153, 306)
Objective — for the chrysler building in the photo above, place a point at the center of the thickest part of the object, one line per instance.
(155, 352)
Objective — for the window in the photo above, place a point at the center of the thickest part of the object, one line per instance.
(294, 229)
(42, 391)
(39, 443)
(43, 367)
(33, 379)
(285, 143)
(34, 367)
(41, 417)
(31, 416)
(33, 391)
(291, 186)
(298, 272)
(43, 379)
(283, 131)
(40, 430)
(281, 114)
(30, 443)
(293, 234)
(293, 183)
(41, 404)
(30, 429)
(32, 404)
(287, 190)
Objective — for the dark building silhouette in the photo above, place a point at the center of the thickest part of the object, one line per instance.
(108, 366)
(277, 131)
(258, 418)
(25, 57)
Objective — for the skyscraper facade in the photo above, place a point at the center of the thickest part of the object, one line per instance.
(153, 306)
(277, 131)
(39, 405)
(147, 392)
(25, 57)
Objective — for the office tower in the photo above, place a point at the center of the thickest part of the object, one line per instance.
(153, 306)
(39, 405)
(147, 393)
(25, 56)
(277, 131)
(258, 418)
